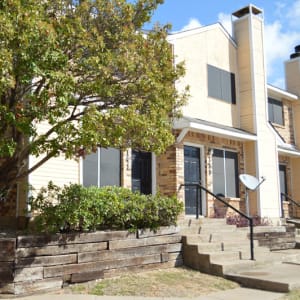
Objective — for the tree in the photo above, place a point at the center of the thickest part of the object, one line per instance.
(87, 69)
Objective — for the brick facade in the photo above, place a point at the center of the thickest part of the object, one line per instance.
(286, 131)
(171, 168)
(289, 210)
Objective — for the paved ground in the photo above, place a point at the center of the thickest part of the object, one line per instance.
(234, 294)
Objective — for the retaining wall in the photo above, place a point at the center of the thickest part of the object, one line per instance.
(30, 264)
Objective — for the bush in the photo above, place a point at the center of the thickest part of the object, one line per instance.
(240, 221)
(78, 208)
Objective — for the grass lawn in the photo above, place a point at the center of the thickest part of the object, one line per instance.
(294, 295)
(175, 282)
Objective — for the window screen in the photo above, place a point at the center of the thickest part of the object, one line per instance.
(90, 169)
(221, 84)
(225, 173)
(109, 167)
(275, 109)
(102, 168)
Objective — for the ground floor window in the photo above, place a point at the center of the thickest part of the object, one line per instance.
(102, 168)
(225, 173)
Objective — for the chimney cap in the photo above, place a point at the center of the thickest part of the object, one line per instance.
(247, 10)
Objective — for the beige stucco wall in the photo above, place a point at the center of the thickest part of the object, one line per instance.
(292, 72)
(247, 110)
(209, 45)
(250, 168)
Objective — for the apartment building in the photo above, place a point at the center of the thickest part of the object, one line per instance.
(233, 123)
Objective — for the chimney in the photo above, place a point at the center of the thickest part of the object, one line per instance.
(292, 72)
(251, 9)
(248, 28)
(296, 53)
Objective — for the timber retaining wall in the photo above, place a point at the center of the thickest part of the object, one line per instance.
(31, 264)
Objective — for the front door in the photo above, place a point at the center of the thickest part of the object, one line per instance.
(192, 174)
(282, 177)
(283, 184)
(142, 172)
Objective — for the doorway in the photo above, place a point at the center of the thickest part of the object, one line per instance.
(142, 172)
(192, 175)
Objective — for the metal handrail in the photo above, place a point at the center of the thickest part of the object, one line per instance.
(250, 219)
(289, 199)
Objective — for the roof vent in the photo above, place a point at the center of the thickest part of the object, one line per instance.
(297, 52)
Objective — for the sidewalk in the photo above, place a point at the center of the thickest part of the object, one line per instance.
(234, 294)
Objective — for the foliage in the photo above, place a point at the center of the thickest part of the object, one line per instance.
(77, 208)
(87, 71)
(240, 221)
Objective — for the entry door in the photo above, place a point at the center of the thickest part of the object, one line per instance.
(283, 184)
(192, 171)
(282, 178)
(142, 172)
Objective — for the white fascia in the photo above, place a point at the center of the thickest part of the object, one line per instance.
(186, 125)
(279, 93)
(289, 152)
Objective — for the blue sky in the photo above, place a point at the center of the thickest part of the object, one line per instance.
(282, 25)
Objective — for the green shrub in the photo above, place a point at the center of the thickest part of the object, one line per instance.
(78, 208)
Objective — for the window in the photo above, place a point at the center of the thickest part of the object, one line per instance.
(275, 109)
(221, 84)
(102, 168)
(225, 173)
(142, 172)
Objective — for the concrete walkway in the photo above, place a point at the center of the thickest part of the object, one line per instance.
(234, 294)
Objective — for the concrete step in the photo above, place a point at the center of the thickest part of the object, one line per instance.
(277, 278)
(224, 250)
(222, 246)
(220, 268)
(202, 221)
(215, 237)
(237, 255)
(289, 255)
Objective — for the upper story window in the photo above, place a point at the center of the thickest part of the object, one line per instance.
(221, 84)
(275, 109)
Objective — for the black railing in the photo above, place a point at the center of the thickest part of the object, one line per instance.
(200, 187)
(291, 201)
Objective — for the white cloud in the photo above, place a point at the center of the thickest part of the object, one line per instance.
(193, 23)
(279, 8)
(293, 14)
(225, 20)
(278, 44)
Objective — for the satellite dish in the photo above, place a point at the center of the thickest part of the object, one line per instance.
(249, 181)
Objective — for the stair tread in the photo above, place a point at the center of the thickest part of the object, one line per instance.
(277, 276)
(225, 252)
